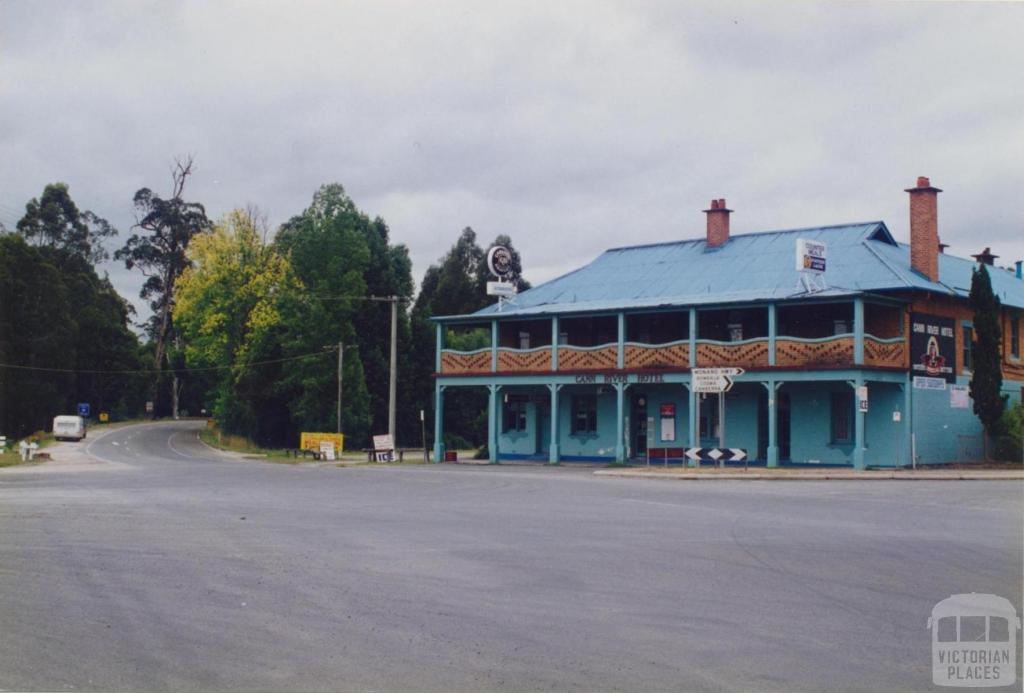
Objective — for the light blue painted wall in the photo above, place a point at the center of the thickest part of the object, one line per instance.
(656, 396)
(945, 434)
(519, 442)
(810, 428)
(601, 445)
(884, 437)
(741, 413)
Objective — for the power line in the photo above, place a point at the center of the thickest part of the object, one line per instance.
(379, 299)
(151, 371)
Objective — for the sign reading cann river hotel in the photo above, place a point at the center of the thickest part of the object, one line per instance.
(932, 346)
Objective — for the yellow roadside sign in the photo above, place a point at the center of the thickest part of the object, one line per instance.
(311, 441)
(104, 416)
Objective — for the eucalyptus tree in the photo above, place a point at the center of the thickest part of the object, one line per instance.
(165, 228)
(54, 220)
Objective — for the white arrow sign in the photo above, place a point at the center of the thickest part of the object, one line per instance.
(714, 379)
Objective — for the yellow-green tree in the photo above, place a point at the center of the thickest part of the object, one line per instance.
(230, 308)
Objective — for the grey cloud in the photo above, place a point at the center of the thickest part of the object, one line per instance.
(573, 127)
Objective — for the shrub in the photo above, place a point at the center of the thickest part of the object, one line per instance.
(1010, 438)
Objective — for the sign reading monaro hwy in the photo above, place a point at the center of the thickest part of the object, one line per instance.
(714, 379)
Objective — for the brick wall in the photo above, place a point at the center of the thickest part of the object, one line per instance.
(924, 229)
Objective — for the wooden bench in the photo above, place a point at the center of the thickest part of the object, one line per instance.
(302, 452)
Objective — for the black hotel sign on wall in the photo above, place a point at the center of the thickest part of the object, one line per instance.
(933, 346)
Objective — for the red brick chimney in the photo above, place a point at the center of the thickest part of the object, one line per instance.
(924, 228)
(718, 223)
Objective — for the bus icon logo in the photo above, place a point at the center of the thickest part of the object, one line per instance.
(974, 641)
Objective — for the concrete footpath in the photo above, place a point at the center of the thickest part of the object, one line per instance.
(762, 474)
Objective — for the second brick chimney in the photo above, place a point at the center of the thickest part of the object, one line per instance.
(718, 223)
(924, 228)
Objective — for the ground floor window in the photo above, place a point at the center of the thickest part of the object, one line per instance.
(515, 417)
(842, 417)
(709, 416)
(584, 414)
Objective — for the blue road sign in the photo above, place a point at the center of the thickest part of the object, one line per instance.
(83, 409)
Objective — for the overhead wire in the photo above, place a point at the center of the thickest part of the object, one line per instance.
(152, 371)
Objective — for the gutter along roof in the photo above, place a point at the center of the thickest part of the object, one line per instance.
(753, 267)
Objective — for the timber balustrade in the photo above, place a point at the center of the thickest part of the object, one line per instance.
(887, 353)
(790, 352)
(455, 362)
(793, 352)
(642, 356)
(520, 360)
(747, 353)
(596, 358)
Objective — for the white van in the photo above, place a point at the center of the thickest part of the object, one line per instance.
(68, 427)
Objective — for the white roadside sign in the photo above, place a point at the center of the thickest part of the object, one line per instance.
(714, 379)
(503, 289)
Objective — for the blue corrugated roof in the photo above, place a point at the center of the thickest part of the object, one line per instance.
(748, 268)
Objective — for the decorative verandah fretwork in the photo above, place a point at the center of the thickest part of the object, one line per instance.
(459, 362)
(751, 353)
(588, 358)
(886, 353)
(524, 360)
(791, 352)
(673, 355)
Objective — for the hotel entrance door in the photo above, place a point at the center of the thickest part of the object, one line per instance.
(639, 418)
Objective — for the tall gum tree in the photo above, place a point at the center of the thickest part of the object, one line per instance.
(159, 251)
(54, 220)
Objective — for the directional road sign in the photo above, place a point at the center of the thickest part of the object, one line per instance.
(714, 379)
(716, 454)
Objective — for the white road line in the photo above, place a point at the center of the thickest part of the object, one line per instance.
(175, 450)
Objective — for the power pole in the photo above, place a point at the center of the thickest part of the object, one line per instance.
(393, 381)
(341, 357)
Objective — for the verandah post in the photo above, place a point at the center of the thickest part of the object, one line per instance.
(772, 453)
(438, 422)
(694, 420)
(494, 346)
(553, 448)
(693, 342)
(440, 347)
(554, 343)
(620, 359)
(620, 424)
(858, 331)
(493, 416)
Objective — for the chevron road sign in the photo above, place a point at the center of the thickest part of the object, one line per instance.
(714, 379)
(716, 454)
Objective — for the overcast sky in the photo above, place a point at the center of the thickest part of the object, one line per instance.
(572, 127)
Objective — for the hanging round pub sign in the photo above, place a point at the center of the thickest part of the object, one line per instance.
(499, 261)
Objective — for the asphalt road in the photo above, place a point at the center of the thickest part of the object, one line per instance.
(171, 567)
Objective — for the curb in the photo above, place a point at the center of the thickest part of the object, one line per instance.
(994, 475)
